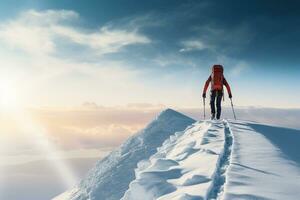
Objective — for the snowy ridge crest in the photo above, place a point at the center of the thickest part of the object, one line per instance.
(176, 158)
(111, 176)
(184, 167)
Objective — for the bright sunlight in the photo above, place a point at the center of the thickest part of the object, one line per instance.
(11, 105)
(9, 99)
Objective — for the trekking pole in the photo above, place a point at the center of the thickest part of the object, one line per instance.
(232, 109)
(204, 108)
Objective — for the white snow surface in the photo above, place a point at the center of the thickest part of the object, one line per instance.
(225, 159)
(265, 163)
(183, 168)
(111, 176)
(222, 160)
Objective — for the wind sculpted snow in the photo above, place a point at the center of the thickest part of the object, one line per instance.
(265, 163)
(207, 160)
(110, 178)
(185, 167)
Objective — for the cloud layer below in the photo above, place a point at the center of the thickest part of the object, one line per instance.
(95, 127)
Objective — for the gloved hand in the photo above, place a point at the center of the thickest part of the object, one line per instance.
(204, 95)
(230, 95)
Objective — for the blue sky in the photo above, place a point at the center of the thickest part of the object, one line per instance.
(151, 52)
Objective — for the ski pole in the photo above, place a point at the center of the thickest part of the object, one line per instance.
(204, 108)
(232, 109)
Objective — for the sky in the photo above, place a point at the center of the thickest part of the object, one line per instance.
(61, 53)
(77, 78)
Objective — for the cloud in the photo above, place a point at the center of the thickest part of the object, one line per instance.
(31, 30)
(275, 116)
(145, 106)
(43, 50)
(103, 41)
(97, 127)
(93, 126)
(217, 39)
(239, 68)
(225, 40)
(47, 17)
(236, 66)
(193, 45)
(172, 60)
(43, 32)
(100, 126)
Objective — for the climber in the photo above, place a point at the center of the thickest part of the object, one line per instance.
(217, 80)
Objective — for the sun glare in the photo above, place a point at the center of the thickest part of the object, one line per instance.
(11, 105)
(8, 95)
(44, 144)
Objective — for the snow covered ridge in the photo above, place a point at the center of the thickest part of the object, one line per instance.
(265, 163)
(189, 165)
(207, 160)
(111, 176)
(222, 160)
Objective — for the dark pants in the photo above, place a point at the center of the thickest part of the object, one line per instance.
(215, 99)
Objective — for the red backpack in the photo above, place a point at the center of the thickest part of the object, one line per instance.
(217, 77)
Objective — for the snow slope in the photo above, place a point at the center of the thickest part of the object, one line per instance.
(222, 160)
(265, 163)
(110, 178)
(207, 160)
(186, 166)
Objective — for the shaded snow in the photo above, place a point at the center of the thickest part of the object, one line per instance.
(110, 178)
(265, 163)
(184, 167)
(207, 160)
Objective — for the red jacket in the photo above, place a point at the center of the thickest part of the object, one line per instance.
(209, 81)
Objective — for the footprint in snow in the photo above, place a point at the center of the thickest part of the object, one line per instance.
(188, 197)
(186, 154)
(160, 176)
(196, 179)
(210, 152)
(163, 164)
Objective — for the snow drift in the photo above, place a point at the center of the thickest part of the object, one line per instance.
(206, 160)
(265, 163)
(110, 178)
(185, 167)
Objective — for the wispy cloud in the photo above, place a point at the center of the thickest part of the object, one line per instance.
(171, 60)
(95, 126)
(38, 47)
(223, 39)
(42, 32)
(103, 41)
(193, 45)
(239, 68)
(236, 66)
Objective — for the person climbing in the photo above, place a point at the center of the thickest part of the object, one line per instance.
(217, 80)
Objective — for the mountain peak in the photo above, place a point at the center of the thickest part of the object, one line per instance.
(169, 113)
(120, 164)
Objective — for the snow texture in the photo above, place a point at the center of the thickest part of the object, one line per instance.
(110, 178)
(222, 160)
(265, 163)
(227, 160)
(185, 167)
